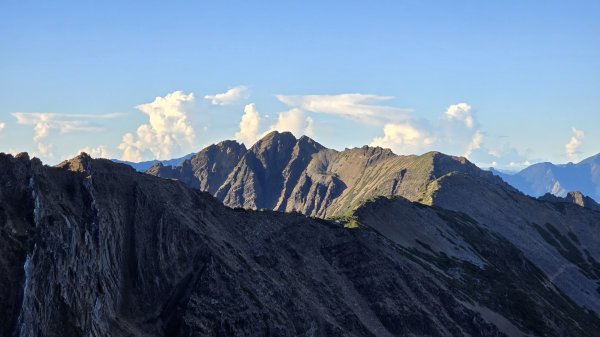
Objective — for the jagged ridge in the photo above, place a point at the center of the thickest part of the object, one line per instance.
(283, 173)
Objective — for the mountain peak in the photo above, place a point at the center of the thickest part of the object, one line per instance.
(80, 163)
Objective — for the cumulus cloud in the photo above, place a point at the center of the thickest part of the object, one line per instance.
(100, 151)
(461, 112)
(295, 122)
(249, 126)
(454, 133)
(168, 129)
(475, 144)
(403, 138)
(362, 108)
(231, 96)
(572, 147)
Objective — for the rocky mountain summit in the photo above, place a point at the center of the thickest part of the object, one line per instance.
(93, 248)
(287, 174)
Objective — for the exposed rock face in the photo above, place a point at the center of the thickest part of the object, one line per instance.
(208, 169)
(91, 248)
(283, 173)
(576, 198)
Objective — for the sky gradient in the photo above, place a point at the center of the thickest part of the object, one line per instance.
(505, 83)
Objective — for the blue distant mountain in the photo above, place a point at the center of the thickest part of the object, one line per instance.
(144, 165)
(539, 179)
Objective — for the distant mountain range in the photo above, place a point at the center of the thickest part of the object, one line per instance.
(144, 165)
(539, 179)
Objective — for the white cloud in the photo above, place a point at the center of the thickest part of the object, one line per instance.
(454, 133)
(295, 122)
(362, 108)
(461, 112)
(249, 126)
(231, 96)
(403, 138)
(44, 123)
(168, 130)
(95, 152)
(572, 147)
(45, 150)
(475, 144)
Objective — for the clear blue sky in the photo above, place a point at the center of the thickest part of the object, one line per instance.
(528, 71)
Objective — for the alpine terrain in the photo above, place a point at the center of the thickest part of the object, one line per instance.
(417, 246)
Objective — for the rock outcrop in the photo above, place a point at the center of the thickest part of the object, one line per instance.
(575, 197)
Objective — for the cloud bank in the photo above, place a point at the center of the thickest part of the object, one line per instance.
(168, 129)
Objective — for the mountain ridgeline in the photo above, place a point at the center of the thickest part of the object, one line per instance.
(541, 178)
(283, 173)
(417, 246)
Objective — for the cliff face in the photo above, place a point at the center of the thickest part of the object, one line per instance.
(283, 173)
(91, 248)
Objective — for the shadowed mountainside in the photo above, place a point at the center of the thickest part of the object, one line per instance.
(558, 238)
(92, 248)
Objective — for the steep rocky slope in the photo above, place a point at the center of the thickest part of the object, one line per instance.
(561, 239)
(283, 173)
(493, 274)
(92, 248)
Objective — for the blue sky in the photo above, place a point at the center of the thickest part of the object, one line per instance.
(503, 82)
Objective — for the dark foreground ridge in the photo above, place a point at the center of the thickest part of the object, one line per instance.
(93, 248)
